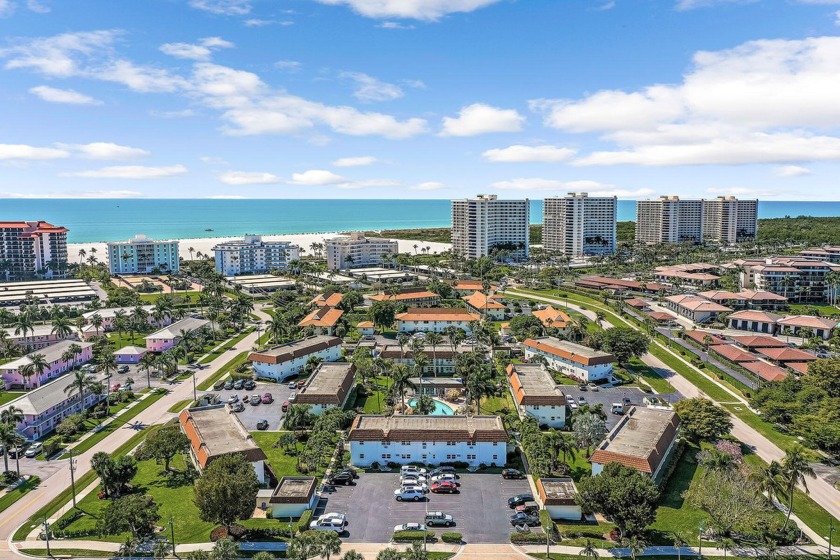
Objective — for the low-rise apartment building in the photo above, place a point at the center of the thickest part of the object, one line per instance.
(216, 431)
(329, 386)
(442, 360)
(436, 440)
(699, 274)
(572, 360)
(558, 496)
(798, 279)
(39, 336)
(802, 325)
(487, 306)
(327, 299)
(695, 308)
(356, 250)
(553, 318)
(644, 439)
(753, 321)
(169, 337)
(45, 407)
(286, 360)
(109, 314)
(292, 496)
(536, 395)
(141, 255)
(436, 319)
(323, 320)
(13, 372)
(410, 298)
(252, 255)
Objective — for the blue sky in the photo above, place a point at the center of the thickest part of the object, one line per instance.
(419, 98)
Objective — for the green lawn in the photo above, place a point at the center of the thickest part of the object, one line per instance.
(374, 403)
(576, 534)
(126, 340)
(674, 514)
(234, 362)
(225, 347)
(281, 463)
(649, 376)
(8, 396)
(117, 423)
(784, 441)
(19, 492)
(72, 552)
(179, 406)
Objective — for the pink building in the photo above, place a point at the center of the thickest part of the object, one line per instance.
(11, 372)
(39, 337)
(169, 337)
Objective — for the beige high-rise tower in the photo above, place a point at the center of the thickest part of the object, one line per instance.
(483, 223)
(577, 224)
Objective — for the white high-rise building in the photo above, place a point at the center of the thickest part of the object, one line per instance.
(32, 249)
(672, 220)
(483, 223)
(251, 254)
(356, 250)
(729, 220)
(577, 224)
(141, 255)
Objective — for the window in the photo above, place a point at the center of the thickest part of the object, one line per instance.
(470, 457)
(424, 445)
(361, 455)
(405, 443)
(495, 457)
(451, 443)
(536, 407)
(386, 455)
(361, 443)
(495, 443)
(406, 456)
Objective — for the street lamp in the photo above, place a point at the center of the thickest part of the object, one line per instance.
(830, 535)
(72, 476)
(47, 534)
(700, 538)
(172, 532)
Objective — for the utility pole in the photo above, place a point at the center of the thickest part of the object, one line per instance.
(73, 477)
(195, 393)
(830, 535)
(47, 533)
(172, 532)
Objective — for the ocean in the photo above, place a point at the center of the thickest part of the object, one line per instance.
(93, 220)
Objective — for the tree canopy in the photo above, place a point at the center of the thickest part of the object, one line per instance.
(702, 420)
(624, 495)
(163, 444)
(226, 491)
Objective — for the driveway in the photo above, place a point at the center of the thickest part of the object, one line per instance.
(253, 414)
(480, 509)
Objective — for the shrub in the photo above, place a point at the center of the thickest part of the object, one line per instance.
(52, 446)
(243, 376)
(410, 536)
(268, 533)
(452, 538)
(455, 464)
(527, 538)
(304, 521)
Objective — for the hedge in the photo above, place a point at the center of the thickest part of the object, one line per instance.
(527, 538)
(411, 536)
(452, 538)
(304, 521)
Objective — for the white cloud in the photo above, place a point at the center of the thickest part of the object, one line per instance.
(211, 160)
(317, 178)
(67, 96)
(105, 150)
(606, 6)
(201, 51)
(594, 188)
(685, 5)
(264, 22)
(427, 10)
(480, 118)
(766, 101)
(522, 154)
(38, 7)
(370, 89)
(249, 178)
(790, 171)
(182, 114)
(223, 7)
(427, 186)
(129, 172)
(288, 65)
(354, 161)
(368, 183)
(394, 25)
(18, 152)
(7, 7)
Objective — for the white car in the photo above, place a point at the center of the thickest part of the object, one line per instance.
(444, 477)
(410, 527)
(406, 495)
(293, 385)
(34, 449)
(411, 469)
(330, 522)
(293, 397)
(411, 487)
(414, 478)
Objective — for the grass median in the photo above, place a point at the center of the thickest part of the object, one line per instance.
(118, 422)
(224, 370)
(221, 349)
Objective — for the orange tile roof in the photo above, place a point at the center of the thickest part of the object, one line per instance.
(733, 353)
(479, 301)
(787, 354)
(468, 285)
(759, 341)
(330, 299)
(322, 317)
(365, 325)
(636, 302)
(438, 314)
(759, 316)
(405, 296)
(801, 367)
(698, 336)
(766, 371)
(569, 351)
(559, 319)
(660, 316)
(808, 321)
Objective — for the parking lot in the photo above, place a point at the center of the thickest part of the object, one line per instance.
(605, 396)
(253, 414)
(480, 510)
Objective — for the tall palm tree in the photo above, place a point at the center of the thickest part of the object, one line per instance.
(82, 382)
(37, 364)
(62, 327)
(434, 339)
(108, 363)
(680, 540)
(402, 381)
(147, 362)
(23, 324)
(97, 321)
(8, 435)
(12, 416)
(795, 470)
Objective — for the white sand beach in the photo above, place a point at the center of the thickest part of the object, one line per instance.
(205, 245)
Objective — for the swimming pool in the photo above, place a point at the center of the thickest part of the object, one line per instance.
(440, 408)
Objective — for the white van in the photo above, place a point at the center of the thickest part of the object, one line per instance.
(617, 408)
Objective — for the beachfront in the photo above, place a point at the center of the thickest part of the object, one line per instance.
(205, 245)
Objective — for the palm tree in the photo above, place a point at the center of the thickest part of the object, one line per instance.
(589, 550)
(8, 436)
(389, 554)
(635, 545)
(726, 545)
(108, 362)
(23, 324)
(353, 555)
(680, 540)
(147, 362)
(769, 480)
(37, 364)
(82, 382)
(96, 320)
(12, 416)
(795, 470)
(330, 544)
(62, 327)
(433, 339)
(402, 381)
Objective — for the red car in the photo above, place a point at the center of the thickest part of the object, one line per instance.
(268, 398)
(301, 383)
(444, 487)
(115, 387)
(285, 406)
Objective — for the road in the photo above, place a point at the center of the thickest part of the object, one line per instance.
(22, 510)
(820, 491)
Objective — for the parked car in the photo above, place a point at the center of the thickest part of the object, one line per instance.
(262, 425)
(581, 399)
(412, 479)
(410, 527)
(519, 499)
(237, 385)
(444, 477)
(340, 478)
(582, 386)
(627, 401)
(301, 383)
(34, 449)
(218, 385)
(445, 470)
(255, 400)
(238, 407)
(422, 487)
(529, 508)
(122, 369)
(593, 387)
(404, 495)
(330, 522)
(14, 452)
(411, 469)
(524, 519)
(351, 471)
(572, 404)
(246, 399)
(228, 384)
(285, 406)
(292, 384)
(444, 487)
(439, 518)
(115, 387)
(249, 385)
(233, 399)
(267, 398)
(512, 473)
(292, 397)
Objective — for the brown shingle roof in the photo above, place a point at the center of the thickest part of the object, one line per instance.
(215, 431)
(639, 440)
(438, 314)
(569, 351)
(329, 384)
(427, 428)
(292, 350)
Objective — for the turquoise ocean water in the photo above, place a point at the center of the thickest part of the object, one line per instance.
(91, 220)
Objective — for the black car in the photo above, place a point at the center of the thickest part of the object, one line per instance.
(351, 471)
(524, 519)
(228, 385)
(340, 478)
(262, 425)
(519, 499)
(445, 470)
(512, 473)
(237, 385)
(249, 385)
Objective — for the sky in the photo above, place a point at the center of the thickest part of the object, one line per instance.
(405, 99)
